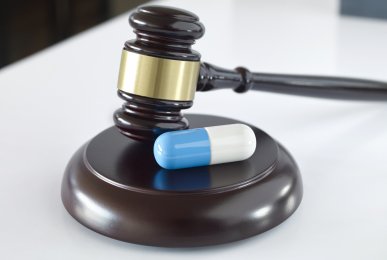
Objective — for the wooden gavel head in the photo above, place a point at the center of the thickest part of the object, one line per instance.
(158, 72)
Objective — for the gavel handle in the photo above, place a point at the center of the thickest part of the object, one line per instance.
(241, 80)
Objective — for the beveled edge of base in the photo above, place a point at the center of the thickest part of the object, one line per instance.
(122, 231)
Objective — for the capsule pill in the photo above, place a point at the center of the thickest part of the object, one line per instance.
(204, 146)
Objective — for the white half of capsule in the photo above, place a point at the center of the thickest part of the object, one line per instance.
(231, 143)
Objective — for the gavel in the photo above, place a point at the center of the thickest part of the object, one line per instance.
(113, 184)
(160, 73)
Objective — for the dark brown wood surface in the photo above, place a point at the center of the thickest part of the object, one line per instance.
(113, 186)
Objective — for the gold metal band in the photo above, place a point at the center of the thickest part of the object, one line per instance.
(157, 77)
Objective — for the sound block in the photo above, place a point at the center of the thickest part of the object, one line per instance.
(114, 186)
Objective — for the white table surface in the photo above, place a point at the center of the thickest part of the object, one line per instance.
(54, 101)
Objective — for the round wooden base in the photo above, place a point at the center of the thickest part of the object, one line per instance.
(113, 186)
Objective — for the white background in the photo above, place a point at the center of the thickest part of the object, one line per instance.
(54, 101)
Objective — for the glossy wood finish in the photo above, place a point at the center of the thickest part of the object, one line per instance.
(166, 33)
(241, 80)
(144, 119)
(113, 186)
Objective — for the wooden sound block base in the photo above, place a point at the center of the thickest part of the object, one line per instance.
(113, 186)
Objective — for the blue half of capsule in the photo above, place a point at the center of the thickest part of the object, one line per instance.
(183, 149)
